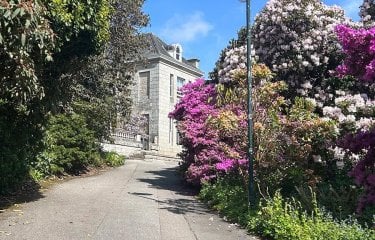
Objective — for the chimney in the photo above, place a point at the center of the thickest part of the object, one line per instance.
(194, 62)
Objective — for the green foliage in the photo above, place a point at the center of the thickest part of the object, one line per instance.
(70, 146)
(98, 116)
(101, 90)
(26, 41)
(338, 196)
(281, 219)
(36, 175)
(229, 196)
(46, 47)
(113, 159)
(277, 218)
(286, 138)
(72, 17)
(19, 137)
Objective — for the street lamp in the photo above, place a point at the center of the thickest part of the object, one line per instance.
(250, 152)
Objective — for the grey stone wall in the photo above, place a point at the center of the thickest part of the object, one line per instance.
(167, 136)
(160, 103)
(142, 104)
(121, 149)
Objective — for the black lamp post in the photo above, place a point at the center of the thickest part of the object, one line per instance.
(250, 152)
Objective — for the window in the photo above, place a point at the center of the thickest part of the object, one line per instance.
(171, 87)
(180, 83)
(144, 82)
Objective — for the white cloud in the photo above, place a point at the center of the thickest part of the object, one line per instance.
(187, 28)
(351, 8)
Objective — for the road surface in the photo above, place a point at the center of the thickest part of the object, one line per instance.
(139, 201)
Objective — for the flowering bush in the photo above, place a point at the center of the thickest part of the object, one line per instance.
(359, 46)
(289, 140)
(136, 125)
(363, 144)
(353, 112)
(200, 142)
(213, 125)
(296, 39)
(235, 59)
(297, 123)
(359, 49)
(367, 11)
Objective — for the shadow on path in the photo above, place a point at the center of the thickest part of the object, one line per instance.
(184, 195)
(30, 191)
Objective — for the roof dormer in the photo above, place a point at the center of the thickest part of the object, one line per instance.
(175, 51)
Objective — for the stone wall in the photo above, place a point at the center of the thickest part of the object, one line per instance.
(162, 130)
(142, 104)
(121, 149)
(168, 136)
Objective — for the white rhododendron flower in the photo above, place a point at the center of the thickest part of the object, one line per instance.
(339, 153)
(296, 39)
(235, 58)
(367, 12)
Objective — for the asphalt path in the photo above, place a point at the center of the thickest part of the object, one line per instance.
(139, 201)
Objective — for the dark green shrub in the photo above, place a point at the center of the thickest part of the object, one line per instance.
(69, 146)
(19, 138)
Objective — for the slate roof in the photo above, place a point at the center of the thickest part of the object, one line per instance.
(159, 48)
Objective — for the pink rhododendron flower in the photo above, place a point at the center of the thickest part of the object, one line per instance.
(358, 46)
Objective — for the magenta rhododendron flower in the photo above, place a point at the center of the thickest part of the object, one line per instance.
(200, 141)
(209, 132)
(359, 48)
(364, 171)
(225, 165)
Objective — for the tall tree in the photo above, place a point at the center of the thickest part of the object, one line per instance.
(62, 56)
(26, 40)
(103, 88)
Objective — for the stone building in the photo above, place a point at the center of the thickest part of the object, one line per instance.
(155, 92)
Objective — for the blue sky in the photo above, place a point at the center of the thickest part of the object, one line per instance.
(204, 27)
